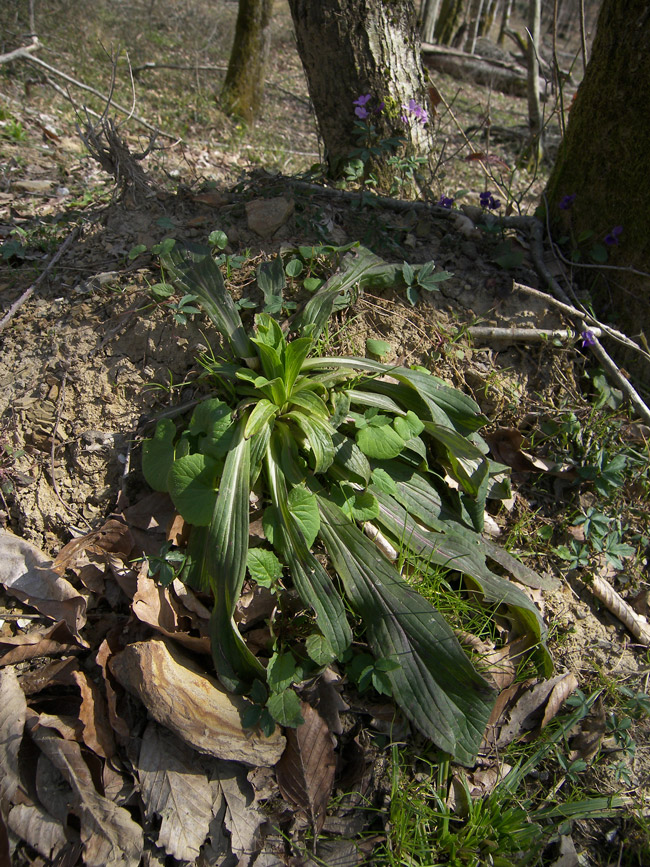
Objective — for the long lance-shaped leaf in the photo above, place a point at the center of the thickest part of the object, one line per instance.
(225, 569)
(461, 550)
(445, 404)
(200, 275)
(318, 309)
(310, 578)
(435, 685)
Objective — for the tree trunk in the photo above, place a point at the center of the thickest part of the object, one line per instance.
(243, 87)
(487, 18)
(505, 21)
(473, 20)
(603, 162)
(429, 16)
(448, 20)
(533, 46)
(356, 48)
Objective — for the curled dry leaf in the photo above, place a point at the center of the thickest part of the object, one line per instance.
(107, 649)
(26, 573)
(614, 602)
(174, 784)
(586, 742)
(112, 538)
(191, 703)
(56, 639)
(158, 606)
(13, 711)
(524, 708)
(306, 770)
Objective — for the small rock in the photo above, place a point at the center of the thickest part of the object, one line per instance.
(265, 216)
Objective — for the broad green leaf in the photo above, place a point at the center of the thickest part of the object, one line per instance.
(357, 506)
(384, 481)
(318, 648)
(158, 455)
(382, 442)
(282, 671)
(294, 268)
(408, 273)
(430, 282)
(271, 359)
(207, 413)
(192, 485)
(380, 348)
(409, 426)
(262, 413)
(264, 567)
(309, 577)
(225, 566)
(284, 707)
(304, 508)
(349, 458)
(341, 405)
(436, 685)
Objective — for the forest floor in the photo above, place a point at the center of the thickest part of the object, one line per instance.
(93, 355)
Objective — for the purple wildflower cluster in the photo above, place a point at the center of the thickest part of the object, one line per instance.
(612, 238)
(488, 201)
(414, 109)
(363, 110)
(445, 202)
(567, 201)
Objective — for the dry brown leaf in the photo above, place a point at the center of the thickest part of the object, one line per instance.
(5, 852)
(148, 521)
(107, 649)
(37, 828)
(191, 703)
(306, 770)
(614, 602)
(242, 817)
(54, 793)
(505, 445)
(52, 641)
(156, 605)
(255, 606)
(113, 537)
(563, 687)
(13, 712)
(26, 573)
(174, 784)
(110, 836)
(586, 742)
(526, 707)
(324, 695)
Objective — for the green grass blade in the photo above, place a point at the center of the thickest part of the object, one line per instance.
(436, 685)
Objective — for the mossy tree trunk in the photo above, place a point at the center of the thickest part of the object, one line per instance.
(429, 16)
(243, 88)
(603, 161)
(448, 20)
(352, 48)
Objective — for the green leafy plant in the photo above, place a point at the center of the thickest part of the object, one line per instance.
(327, 447)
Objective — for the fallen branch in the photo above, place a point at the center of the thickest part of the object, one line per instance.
(614, 602)
(25, 51)
(525, 335)
(29, 292)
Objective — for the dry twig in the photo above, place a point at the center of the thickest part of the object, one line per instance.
(614, 602)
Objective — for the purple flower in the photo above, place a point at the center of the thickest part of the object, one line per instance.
(361, 111)
(612, 237)
(487, 200)
(588, 339)
(414, 108)
(445, 202)
(567, 201)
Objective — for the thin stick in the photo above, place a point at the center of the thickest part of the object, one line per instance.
(102, 96)
(624, 384)
(29, 292)
(614, 602)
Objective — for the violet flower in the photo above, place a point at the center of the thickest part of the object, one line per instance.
(567, 201)
(612, 237)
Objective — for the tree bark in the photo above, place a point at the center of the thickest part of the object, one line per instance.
(533, 46)
(448, 20)
(603, 161)
(473, 21)
(505, 21)
(351, 48)
(243, 87)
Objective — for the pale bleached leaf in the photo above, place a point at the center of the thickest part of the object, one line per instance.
(26, 573)
(13, 709)
(243, 818)
(306, 770)
(37, 828)
(174, 784)
(110, 836)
